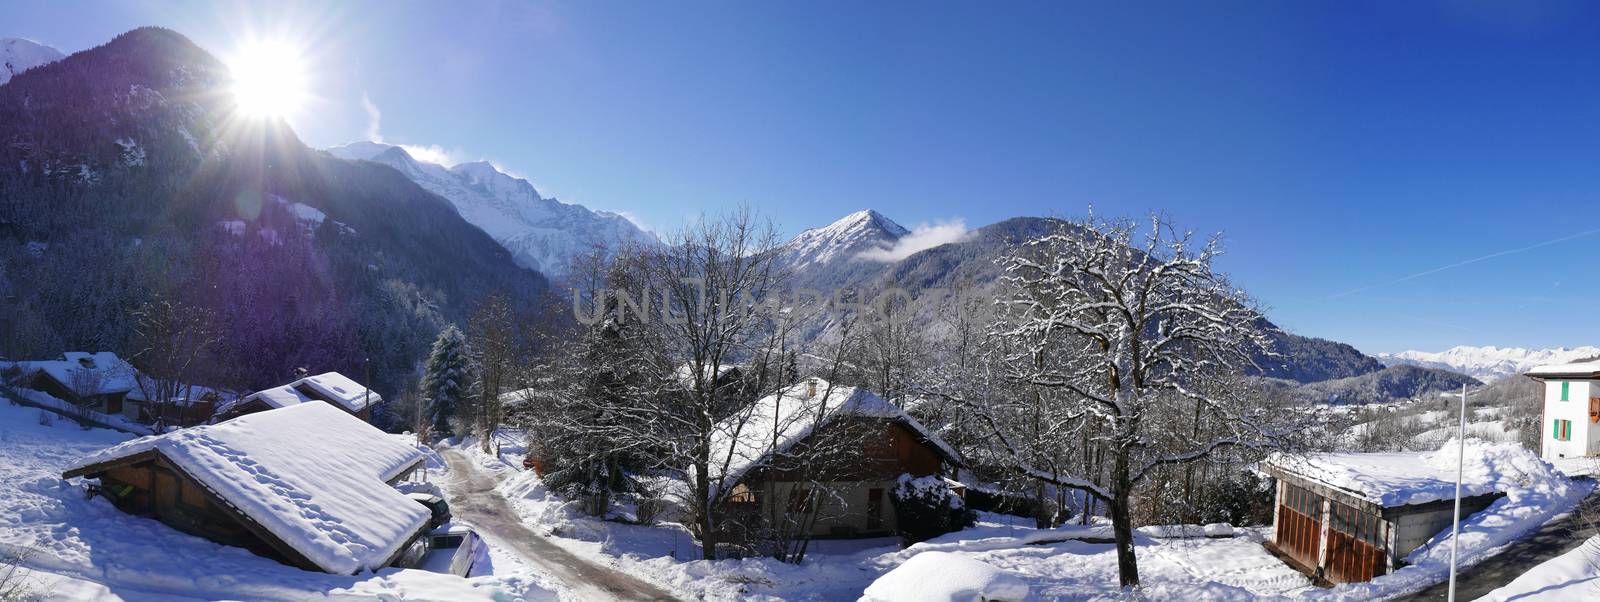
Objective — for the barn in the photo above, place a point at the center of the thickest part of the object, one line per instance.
(1348, 517)
(332, 387)
(308, 485)
(768, 460)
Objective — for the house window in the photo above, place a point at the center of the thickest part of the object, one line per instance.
(1561, 430)
(1565, 388)
(742, 495)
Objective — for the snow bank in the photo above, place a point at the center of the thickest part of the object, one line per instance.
(936, 576)
(1402, 478)
(313, 475)
(1571, 576)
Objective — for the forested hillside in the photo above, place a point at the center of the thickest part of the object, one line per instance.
(126, 176)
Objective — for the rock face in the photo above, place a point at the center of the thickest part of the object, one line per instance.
(541, 233)
(18, 55)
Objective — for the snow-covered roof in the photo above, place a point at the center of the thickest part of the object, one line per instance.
(776, 422)
(1579, 370)
(340, 389)
(335, 387)
(312, 475)
(1404, 478)
(102, 370)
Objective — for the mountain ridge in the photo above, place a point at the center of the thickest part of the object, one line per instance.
(543, 234)
(18, 55)
(1488, 363)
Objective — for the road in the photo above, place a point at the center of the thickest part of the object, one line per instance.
(473, 500)
(1554, 539)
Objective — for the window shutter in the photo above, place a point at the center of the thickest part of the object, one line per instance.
(1564, 388)
(1555, 429)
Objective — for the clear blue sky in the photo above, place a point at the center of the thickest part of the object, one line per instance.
(1342, 146)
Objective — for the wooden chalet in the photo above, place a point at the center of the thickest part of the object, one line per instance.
(98, 381)
(249, 481)
(331, 387)
(773, 467)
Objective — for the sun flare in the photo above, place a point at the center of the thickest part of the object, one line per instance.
(268, 79)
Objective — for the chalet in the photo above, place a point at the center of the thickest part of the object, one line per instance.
(770, 462)
(332, 387)
(98, 381)
(308, 485)
(1347, 517)
(1571, 423)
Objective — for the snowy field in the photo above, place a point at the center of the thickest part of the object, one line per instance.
(84, 549)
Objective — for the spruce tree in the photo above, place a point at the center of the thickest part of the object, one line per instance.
(447, 379)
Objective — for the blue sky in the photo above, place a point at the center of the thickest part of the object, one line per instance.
(1348, 150)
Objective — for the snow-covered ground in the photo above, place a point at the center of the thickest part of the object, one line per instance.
(1571, 576)
(1063, 563)
(85, 549)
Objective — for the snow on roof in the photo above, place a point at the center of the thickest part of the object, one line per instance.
(778, 421)
(1403, 478)
(102, 371)
(337, 387)
(1582, 370)
(314, 476)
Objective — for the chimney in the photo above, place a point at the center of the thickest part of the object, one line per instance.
(811, 388)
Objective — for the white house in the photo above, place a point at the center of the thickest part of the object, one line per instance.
(1571, 422)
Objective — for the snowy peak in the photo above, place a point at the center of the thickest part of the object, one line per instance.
(844, 239)
(543, 234)
(18, 55)
(1489, 363)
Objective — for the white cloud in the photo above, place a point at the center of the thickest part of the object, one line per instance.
(923, 237)
(432, 153)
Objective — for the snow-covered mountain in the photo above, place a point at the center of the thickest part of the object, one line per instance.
(845, 239)
(1488, 363)
(18, 55)
(542, 233)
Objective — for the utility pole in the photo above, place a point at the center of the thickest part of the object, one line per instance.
(1461, 462)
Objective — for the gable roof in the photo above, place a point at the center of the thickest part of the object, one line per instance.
(779, 421)
(110, 373)
(1390, 479)
(314, 477)
(336, 387)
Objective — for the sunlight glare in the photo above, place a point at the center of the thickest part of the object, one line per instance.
(268, 79)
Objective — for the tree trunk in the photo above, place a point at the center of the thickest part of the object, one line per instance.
(1122, 523)
(702, 491)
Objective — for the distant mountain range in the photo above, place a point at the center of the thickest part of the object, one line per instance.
(542, 233)
(18, 55)
(849, 254)
(1489, 363)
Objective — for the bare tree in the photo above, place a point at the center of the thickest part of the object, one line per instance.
(1107, 324)
(15, 586)
(716, 279)
(169, 341)
(493, 333)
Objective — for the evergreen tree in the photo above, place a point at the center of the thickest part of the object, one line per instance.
(447, 380)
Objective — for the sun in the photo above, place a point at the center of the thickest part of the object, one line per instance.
(269, 79)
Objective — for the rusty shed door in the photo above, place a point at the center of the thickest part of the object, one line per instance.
(1299, 525)
(1355, 545)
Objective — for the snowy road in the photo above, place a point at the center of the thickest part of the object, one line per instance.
(1555, 538)
(473, 500)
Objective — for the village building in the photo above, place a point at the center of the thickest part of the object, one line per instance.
(1347, 517)
(98, 381)
(1571, 423)
(308, 485)
(332, 387)
(828, 453)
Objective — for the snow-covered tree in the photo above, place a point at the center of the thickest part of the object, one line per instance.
(447, 380)
(1111, 327)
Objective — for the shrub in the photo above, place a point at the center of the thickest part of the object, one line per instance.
(926, 508)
